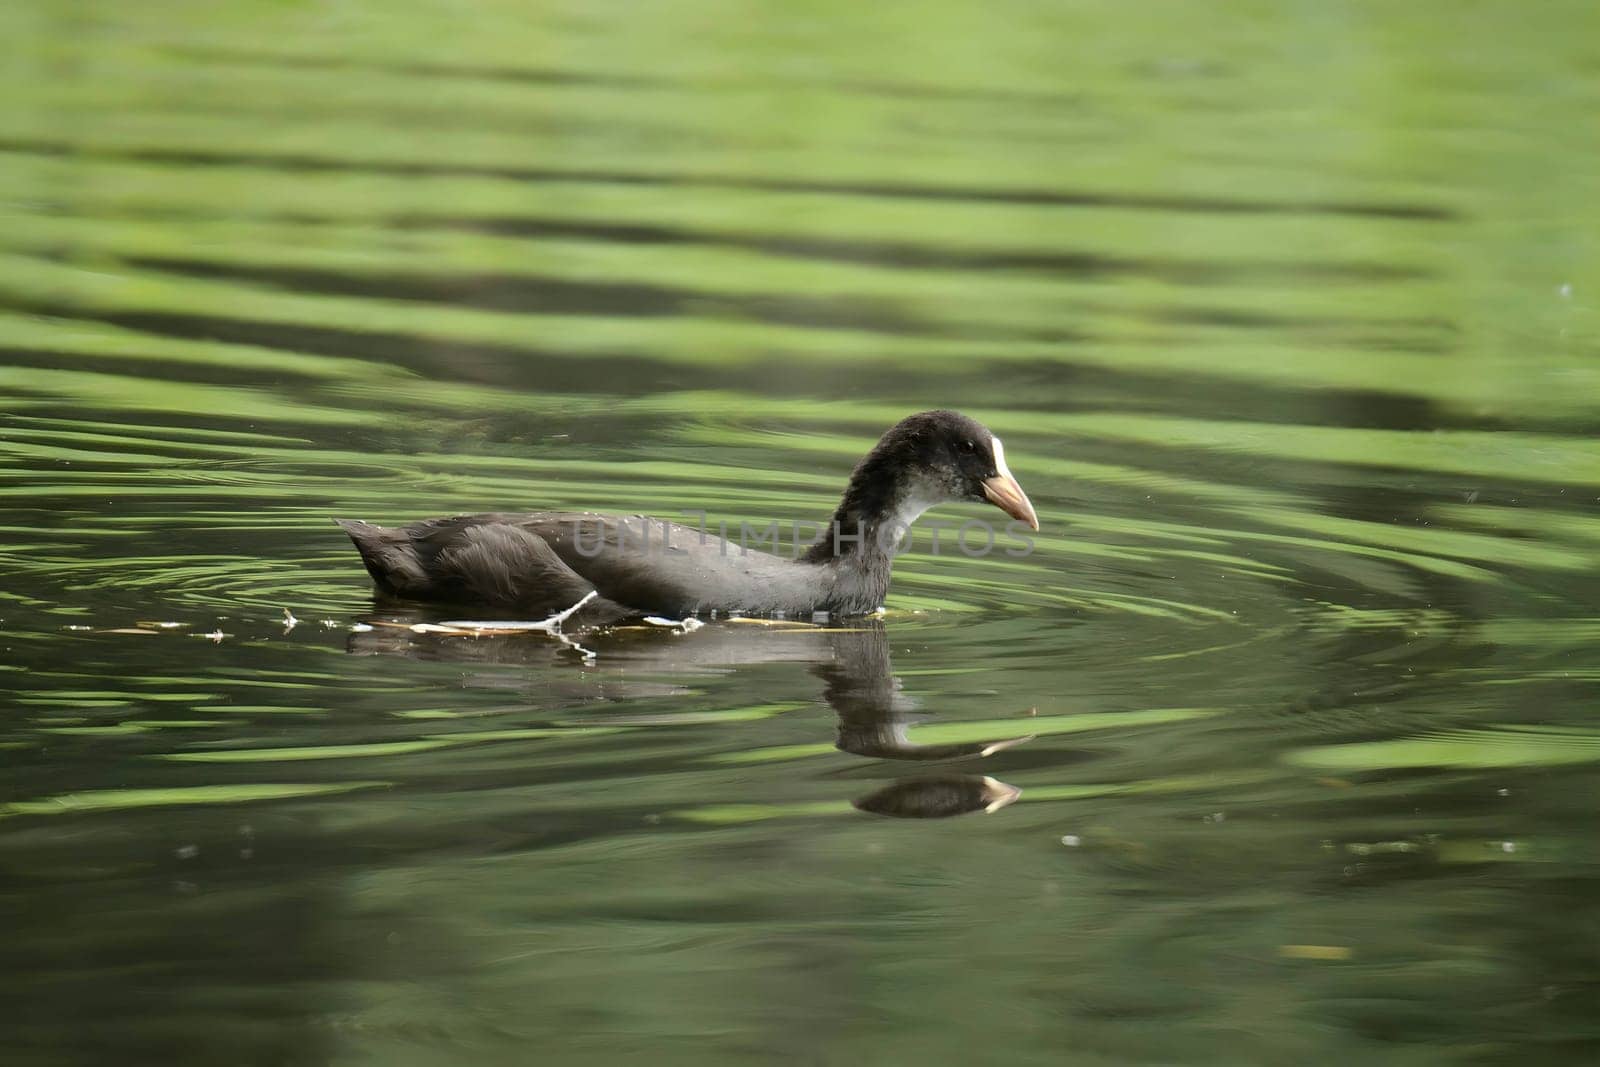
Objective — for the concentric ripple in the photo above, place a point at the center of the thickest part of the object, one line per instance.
(1286, 317)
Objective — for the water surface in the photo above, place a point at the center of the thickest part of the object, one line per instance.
(1288, 318)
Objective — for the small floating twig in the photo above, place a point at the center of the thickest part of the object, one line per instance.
(683, 626)
(496, 627)
(792, 624)
(479, 628)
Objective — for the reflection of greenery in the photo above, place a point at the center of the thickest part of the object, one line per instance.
(1266, 303)
(125, 799)
(1488, 747)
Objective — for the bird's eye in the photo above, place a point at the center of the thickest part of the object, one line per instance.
(968, 447)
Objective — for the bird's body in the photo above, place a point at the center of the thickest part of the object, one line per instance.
(543, 562)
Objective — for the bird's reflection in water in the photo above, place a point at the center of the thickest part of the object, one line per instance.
(937, 797)
(852, 661)
(860, 686)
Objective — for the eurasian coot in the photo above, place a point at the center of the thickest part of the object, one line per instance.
(542, 562)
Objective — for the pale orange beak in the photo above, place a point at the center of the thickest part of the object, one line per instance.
(1004, 493)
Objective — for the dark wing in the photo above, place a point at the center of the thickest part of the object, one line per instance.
(668, 569)
(549, 560)
(469, 560)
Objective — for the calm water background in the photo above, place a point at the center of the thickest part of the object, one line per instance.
(1290, 318)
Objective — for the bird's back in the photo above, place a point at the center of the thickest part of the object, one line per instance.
(544, 561)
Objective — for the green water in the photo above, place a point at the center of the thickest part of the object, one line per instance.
(1289, 316)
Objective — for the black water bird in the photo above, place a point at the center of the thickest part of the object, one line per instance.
(543, 562)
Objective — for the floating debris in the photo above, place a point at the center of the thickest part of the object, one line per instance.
(683, 626)
(215, 636)
(1377, 848)
(163, 625)
(786, 624)
(498, 627)
(360, 628)
(289, 621)
(475, 628)
(128, 630)
(478, 628)
(1314, 952)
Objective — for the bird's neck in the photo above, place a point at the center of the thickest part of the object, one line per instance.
(873, 516)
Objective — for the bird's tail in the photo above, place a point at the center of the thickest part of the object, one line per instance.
(389, 556)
